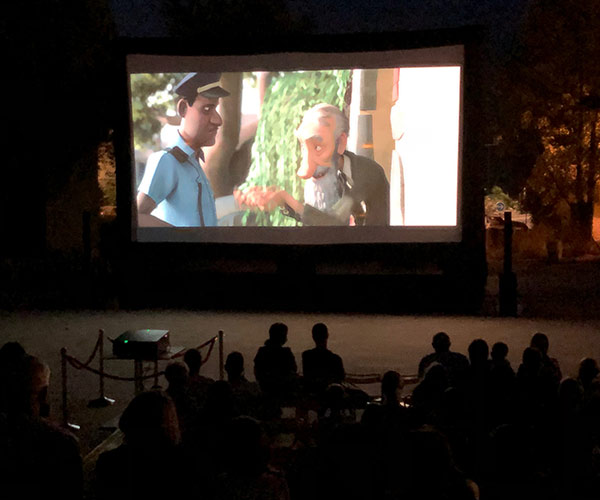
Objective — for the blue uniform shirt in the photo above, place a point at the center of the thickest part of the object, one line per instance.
(175, 188)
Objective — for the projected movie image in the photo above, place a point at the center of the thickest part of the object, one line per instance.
(337, 148)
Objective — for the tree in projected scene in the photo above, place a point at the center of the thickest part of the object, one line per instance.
(151, 97)
(276, 152)
(557, 88)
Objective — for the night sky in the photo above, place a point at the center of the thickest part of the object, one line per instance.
(142, 18)
(61, 51)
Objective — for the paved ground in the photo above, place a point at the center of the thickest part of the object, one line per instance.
(562, 300)
(564, 290)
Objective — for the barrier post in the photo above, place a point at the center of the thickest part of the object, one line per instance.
(508, 279)
(102, 400)
(63, 369)
(138, 375)
(156, 384)
(221, 364)
(65, 409)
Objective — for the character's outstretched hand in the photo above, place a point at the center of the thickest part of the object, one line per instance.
(267, 199)
(263, 198)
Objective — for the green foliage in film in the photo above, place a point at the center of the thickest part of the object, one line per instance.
(151, 96)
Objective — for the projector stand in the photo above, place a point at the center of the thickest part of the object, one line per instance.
(156, 385)
(138, 373)
(138, 370)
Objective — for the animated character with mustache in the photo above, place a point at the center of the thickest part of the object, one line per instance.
(341, 188)
(175, 190)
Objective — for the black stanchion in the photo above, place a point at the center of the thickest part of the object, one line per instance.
(102, 401)
(63, 371)
(138, 377)
(508, 279)
(221, 352)
(65, 407)
(156, 384)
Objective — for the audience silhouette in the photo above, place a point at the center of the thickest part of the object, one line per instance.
(197, 384)
(38, 459)
(471, 429)
(275, 367)
(550, 368)
(177, 376)
(456, 364)
(320, 366)
(501, 387)
(246, 473)
(246, 394)
(151, 430)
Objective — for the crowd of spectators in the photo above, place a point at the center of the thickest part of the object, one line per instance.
(472, 428)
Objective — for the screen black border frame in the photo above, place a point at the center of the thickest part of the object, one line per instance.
(463, 260)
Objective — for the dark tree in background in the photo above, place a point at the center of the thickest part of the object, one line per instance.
(551, 123)
(64, 81)
(61, 71)
(218, 24)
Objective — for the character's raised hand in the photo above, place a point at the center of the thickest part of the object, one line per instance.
(263, 198)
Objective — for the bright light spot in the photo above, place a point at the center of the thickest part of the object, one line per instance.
(160, 97)
(250, 100)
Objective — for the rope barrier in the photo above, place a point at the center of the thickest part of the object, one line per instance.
(375, 378)
(79, 366)
(210, 349)
(138, 378)
(367, 378)
(96, 348)
(75, 363)
(209, 341)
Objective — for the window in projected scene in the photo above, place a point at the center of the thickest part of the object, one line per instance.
(366, 149)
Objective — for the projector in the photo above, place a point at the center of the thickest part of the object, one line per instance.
(141, 344)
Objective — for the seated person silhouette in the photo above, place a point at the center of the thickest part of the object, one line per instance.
(38, 459)
(502, 385)
(588, 377)
(500, 362)
(12, 356)
(479, 358)
(456, 364)
(275, 366)
(247, 474)
(198, 385)
(389, 418)
(550, 367)
(245, 393)
(151, 430)
(320, 366)
(429, 470)
(536, 393)
(177, 376)
(479, 371)
(428, 396)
